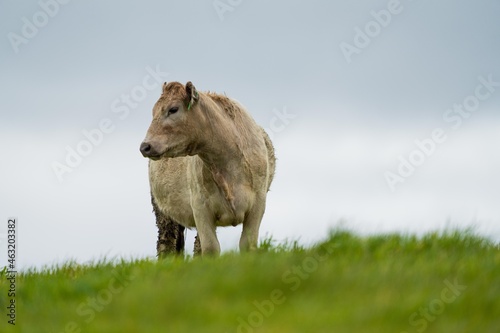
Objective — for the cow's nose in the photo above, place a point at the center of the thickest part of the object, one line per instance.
(145, 149)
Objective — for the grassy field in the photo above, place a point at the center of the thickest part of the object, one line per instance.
(389, 283)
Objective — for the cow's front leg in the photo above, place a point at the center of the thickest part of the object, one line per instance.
(170, 234)
(197, 246)
(205, 226)
(251, 225)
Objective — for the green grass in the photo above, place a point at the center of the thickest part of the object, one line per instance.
(345, 284)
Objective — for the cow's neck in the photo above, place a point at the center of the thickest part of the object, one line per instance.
(225, 162)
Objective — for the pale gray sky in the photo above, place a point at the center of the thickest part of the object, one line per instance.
(66, 67)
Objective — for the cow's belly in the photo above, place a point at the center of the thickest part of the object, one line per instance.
(225, 213)
(184, 198)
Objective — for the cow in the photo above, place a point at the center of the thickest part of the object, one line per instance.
(210, 165)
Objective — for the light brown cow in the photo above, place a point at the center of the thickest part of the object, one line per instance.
(210, 165)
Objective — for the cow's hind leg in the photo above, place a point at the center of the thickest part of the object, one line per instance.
(170, 234)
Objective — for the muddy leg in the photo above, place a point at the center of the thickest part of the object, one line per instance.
(197, 247)
(170, 234)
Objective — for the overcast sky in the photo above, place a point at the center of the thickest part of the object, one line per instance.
(351, 93)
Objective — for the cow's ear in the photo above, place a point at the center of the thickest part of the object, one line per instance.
(192, 94)
(164, 87)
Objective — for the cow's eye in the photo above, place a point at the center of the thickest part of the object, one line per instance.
(173, 110)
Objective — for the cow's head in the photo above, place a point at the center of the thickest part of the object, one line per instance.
(176, 126)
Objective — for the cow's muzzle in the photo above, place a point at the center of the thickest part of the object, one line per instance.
(148, 151)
